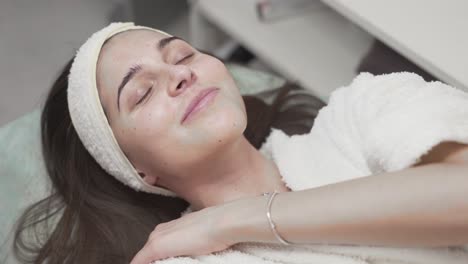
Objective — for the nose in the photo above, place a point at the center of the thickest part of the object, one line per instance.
(182, 78)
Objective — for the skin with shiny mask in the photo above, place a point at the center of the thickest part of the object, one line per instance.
(148, 83)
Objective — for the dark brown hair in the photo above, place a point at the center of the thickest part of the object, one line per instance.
(90, 217)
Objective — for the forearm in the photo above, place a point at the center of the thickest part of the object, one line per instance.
(420, 206)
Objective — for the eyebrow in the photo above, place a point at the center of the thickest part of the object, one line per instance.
(128, 76)
(136, 68)
(165, 41)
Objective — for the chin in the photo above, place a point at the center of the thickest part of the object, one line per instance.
(209, 137)
(223, 126)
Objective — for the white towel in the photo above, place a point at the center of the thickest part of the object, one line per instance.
(376, 124)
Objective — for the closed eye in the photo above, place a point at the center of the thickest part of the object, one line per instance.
(185, 58)
(144, 96)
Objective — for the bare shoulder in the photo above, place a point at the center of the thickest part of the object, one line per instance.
(446, 152)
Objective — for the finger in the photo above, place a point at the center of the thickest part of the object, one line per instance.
(146, 255)
(158, 234)
(163, 226)
(153, 235)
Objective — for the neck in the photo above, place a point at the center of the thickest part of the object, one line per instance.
(240, 171)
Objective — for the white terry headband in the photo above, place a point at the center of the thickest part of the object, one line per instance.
(88, 117)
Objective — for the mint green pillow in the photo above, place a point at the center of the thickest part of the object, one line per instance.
(23, 178)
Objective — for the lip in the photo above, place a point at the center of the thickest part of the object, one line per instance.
(203, 98)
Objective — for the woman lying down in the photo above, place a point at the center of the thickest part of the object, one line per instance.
(143, 139)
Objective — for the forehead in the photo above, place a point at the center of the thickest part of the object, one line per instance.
(129, 45)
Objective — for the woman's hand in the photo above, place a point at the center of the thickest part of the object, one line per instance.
(202, 232)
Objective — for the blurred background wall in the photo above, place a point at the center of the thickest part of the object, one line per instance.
(321, 45)
(37, 37)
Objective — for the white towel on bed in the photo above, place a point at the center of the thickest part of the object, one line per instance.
(377, 124)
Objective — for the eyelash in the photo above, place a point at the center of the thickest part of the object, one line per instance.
(186, 57)
(144, 96)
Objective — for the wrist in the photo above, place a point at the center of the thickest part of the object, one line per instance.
(247, 221)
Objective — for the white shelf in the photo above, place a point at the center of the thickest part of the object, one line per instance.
(433, 34)
(319, 50)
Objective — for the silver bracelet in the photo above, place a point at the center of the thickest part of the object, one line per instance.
(272, 225)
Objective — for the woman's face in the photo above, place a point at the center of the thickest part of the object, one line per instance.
(148, 85)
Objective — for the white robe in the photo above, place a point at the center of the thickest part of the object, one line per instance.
(376, 124)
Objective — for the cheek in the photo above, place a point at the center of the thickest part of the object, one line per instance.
(213, 70)
(153, 122)
(156, 120)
